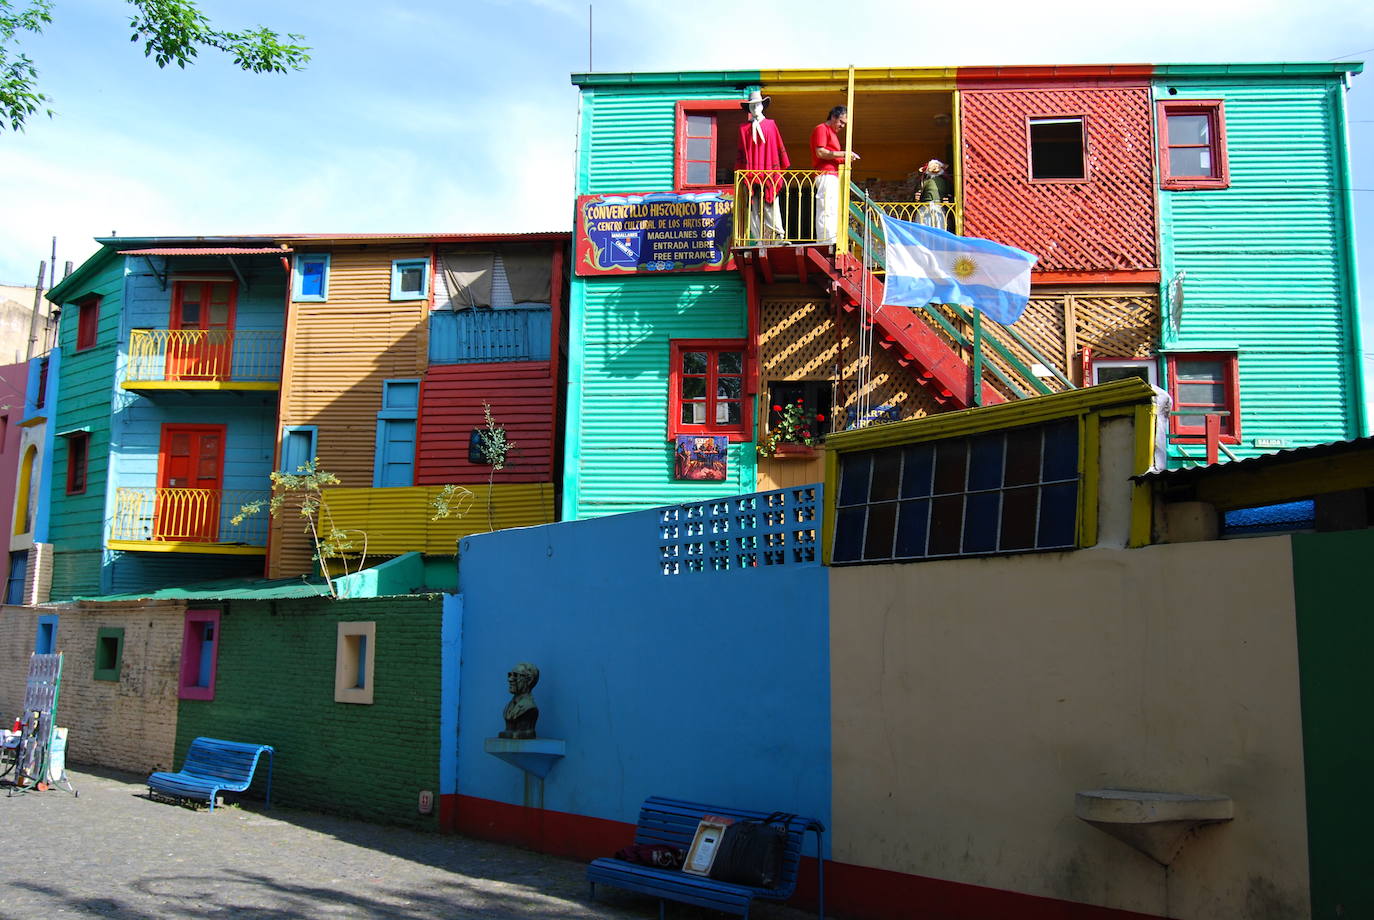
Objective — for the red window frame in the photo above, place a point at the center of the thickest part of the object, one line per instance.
(78, 461)
(699, 107)
(744, 431)
(1082, 119)
(87, 323)
(1229, 379)
(1215, 111)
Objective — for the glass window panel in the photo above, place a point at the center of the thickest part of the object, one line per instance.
(918, 463)
(913, 521)
(698, 173)
(1206, 371)
(694, 362)
(1189, 129)
(694, 413)
(951, 463)
(694, 387)
(1190, 161)
(1061, 450)
(980, 522)
(1191, 421)
(190, 314)
(728, 413)
(731, 362)
(882, 523)
(1023, 456)
(854, 471)
(219, 314)
(985, 462)
(312, 279)
(849, 533)
(700, 125)
(946, 525)
(729, 387)
(1201, 394)
(1018, 518)
(412, 279)
(1109, 374)
(698, 148)
(887, 471)
(1058, 515)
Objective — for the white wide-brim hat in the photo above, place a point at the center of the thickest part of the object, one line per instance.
(754, 97)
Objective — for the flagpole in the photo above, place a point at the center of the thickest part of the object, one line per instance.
(842, 224)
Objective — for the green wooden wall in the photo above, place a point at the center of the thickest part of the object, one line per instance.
(1269, 260)
(84, 400)
(275, 685)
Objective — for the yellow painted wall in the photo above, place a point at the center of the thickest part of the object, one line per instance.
(398, 520)
(972, 698)
(338, 352)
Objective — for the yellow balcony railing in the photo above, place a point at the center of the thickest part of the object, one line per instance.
(204, 517)
(201, 356)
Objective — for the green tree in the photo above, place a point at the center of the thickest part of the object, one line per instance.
(172, 32)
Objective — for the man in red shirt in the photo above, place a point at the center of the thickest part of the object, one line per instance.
(827, 153)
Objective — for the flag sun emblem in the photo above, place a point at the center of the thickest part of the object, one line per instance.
(964, 267)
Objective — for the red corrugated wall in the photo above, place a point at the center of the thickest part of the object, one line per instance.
(1106, 223)
(521, 395)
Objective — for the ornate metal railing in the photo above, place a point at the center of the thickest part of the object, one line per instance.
(188, 516)
(204, 355)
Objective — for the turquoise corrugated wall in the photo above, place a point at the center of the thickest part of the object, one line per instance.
(1267, 261)
(617, 457)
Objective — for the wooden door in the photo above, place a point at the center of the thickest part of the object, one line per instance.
(201, 345)
(190, 477)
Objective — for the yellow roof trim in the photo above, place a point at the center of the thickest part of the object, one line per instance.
(260, 385)
(920, 77)
(173, 546)
(994, 418)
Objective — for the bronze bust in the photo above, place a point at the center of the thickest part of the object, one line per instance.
(521, 712)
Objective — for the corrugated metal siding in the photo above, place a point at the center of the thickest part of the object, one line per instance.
(489, 335)
(398, 520)
(521, 396)
(619, 458)
(1104, 224)
(76, 574)
(337, 354)
(1264, 260)
(129, 572)
(627, 142)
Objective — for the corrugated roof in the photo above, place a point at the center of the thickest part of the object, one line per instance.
(201, 251)
(245, 589)
(1264, 461)
(434, 237)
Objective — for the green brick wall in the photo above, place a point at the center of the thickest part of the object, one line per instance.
(275, 685)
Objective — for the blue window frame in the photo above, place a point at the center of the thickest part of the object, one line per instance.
(45, 641)
(298, 444)
(396, 427)
(310, 280)
(14, 588)
(410, 279)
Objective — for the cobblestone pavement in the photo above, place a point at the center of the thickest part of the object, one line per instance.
(113, 853)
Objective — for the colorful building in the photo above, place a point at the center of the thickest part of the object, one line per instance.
(28, 470)
(1143, 202)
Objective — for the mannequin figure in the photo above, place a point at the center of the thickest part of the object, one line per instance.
(763, 155)
(935, 188)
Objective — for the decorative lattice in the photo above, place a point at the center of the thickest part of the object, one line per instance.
(1117, 326)
(1106, 223)
(742, 532)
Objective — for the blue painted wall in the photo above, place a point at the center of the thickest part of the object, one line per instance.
(629, 660)
(471, 336)
(32, 413)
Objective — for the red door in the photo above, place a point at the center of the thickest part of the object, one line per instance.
(201, 344)
(190, 474)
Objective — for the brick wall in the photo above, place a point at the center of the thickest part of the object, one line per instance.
(17, 628)
(275, 685)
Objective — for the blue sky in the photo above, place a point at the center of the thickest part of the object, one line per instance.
(458, 115)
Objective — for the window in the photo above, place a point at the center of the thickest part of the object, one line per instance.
(14, 588)
(45, 641)
(1202, 385)
(310, 280)
(1107, 370)
(42, 396)
(706, 144)
(1056, 149)
(353, 662)
(1192, 145)
(199, 654)
(1004, 492)
(298, 446)
(78, 453)
(109, 652)
(706, 393)
(87, 322)
(4, 431)
(394, 463)
(410, 279)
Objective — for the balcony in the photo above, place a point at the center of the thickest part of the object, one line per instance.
(188, 521)
(481, 336)
(203, 359)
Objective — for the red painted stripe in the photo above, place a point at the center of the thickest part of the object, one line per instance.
(1144, 276)
(1026, 77)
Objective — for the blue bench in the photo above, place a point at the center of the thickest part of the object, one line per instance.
(673, 823)
(213, 766)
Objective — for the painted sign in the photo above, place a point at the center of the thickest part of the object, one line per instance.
(701, 458)
(659, 231)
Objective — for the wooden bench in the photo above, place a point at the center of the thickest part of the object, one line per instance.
(673, 823)
(213, 766)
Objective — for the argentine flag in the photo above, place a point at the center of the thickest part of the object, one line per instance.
(926, 265)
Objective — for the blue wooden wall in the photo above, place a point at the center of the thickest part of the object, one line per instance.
(472, 336)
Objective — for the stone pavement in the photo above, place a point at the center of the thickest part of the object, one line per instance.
(113, 853)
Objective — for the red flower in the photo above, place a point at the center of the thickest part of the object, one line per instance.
(819, 417)
(777, 408)
(799, 400)
(806, 432)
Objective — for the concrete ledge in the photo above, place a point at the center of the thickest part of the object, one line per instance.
(1155, 823)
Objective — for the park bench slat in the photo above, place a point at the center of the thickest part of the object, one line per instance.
(212, 766)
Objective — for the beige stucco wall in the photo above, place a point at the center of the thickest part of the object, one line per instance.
(971, 699)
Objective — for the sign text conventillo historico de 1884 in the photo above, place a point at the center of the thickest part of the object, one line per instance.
(657, 231)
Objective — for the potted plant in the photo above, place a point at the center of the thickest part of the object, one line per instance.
(796, 432)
